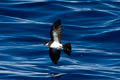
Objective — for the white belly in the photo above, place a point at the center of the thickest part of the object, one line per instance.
(56, 45)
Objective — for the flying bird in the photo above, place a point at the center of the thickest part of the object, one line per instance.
(55, 45)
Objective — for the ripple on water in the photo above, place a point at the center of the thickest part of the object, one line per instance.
(92, 27)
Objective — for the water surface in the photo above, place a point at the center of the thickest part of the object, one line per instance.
(91, 26)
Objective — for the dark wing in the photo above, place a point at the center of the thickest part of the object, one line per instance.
(56, 31)
(54, 55)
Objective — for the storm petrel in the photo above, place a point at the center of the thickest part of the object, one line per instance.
(55, 45)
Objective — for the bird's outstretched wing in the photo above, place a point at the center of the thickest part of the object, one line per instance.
(56, 31)
(54, 55)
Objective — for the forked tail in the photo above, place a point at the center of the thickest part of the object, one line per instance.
(67, 48)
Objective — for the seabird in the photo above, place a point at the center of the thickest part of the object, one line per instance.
(55, 45)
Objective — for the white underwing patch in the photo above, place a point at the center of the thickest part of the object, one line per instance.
(55, 36)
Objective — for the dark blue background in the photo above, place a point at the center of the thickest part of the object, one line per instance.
(92, 27)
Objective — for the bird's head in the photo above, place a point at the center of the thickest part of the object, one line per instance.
(46, 43)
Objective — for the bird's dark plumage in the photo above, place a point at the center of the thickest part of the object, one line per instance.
(55, 43)
(56, 31)
(54, 55)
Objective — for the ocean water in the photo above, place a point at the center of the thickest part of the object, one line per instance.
(91, 26)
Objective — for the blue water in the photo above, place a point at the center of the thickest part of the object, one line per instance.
(91, 26)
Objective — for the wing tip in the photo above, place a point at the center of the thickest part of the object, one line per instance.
(57, 22)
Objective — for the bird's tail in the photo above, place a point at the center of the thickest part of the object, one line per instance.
(67, 48)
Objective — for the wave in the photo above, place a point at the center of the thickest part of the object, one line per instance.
(92, 28)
